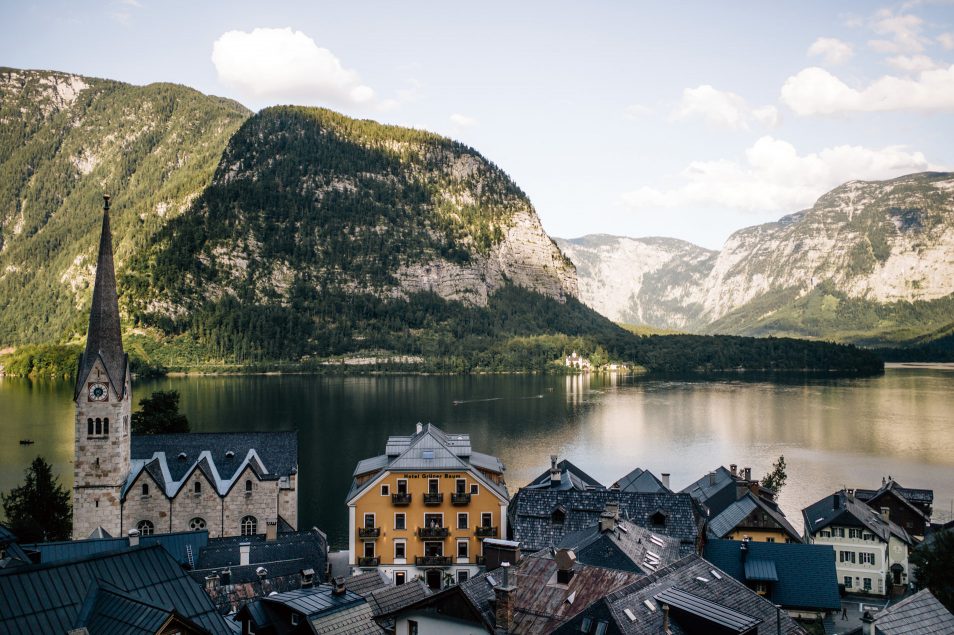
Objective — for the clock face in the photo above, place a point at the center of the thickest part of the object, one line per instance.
(97, 392)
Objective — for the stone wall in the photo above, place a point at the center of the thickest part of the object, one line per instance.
(207, 504)
(154, 507)
(288, 501)
(262, 503)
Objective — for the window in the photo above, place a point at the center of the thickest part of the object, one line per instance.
(99, 425)
(824, 533)
(838, 532)
(461, 486)
(197, 487)
(769, 539)
(402, 486)
(586, 625)
(145, 489)
(400, 521)
(106, 425)
(867, 536)
(462, 576)
(411, 627)
(866, 558)
(658, 519)
(601, 627)
(462, 549)
(369, 521)
(866, 584)
(854, 533)
(400, 550)
(369, 549)
(846, 556)
(385, 490)
(89, 427)
(248, 486)
(487, 519)
(880, 585)
(427, 454)
(197, 524)
(474, 490)
(433, 486)
(294, 619)
(146, 528)
(761, 588)
(462, 521)
(400, 577)
(847, 581)
(433, 520)
(433, 549)
(249, 526)
(557, 516)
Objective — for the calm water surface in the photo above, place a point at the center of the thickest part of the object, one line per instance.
(832, 432)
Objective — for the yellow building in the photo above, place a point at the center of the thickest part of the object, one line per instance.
(753, 518)
(424, 507)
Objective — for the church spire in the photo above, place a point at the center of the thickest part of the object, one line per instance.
(103, 338)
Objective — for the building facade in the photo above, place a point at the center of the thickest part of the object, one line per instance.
(229, 484)
(422, 509)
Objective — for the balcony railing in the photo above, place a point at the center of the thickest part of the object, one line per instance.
(433, 498)
(485, 532)
(460, 498)
(433, 532)
(401, 498)
(369, 562)
(369, 532)
(432, 561)
(481, 560)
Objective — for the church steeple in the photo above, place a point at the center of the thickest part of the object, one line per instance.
(103, 337)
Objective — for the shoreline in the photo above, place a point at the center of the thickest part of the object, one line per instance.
(921, 365)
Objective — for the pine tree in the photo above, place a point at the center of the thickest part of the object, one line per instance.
(39, 510)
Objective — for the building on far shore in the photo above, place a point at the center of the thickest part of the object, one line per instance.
(226, 483)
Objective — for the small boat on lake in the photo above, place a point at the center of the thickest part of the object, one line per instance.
(27, 441)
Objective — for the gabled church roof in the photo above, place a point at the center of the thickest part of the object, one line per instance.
(103, 337)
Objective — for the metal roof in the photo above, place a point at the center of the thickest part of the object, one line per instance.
(734, 515)
(760, 570)
(176, 544)
(314, 601)
(710, 611)
(640, 480)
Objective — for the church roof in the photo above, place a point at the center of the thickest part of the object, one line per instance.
(222, 456)
(103, 337)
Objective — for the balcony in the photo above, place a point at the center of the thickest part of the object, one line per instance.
(369, 532)
(433, 532)
(433, 498)
(369, 562)
(460, 498)
(401, 498)
(485, 532)
(432, 561)
(481, 560)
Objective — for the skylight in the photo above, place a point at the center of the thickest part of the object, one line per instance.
(492, 581)
(630, 615)
(427, 454)
(570, 598)
(701, 579)
(656, 540)
(715, 574)
(650, 605)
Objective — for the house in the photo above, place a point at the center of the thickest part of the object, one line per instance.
(11, 553)
(574, 360)
(535, 595)
(921, 613)
(228, 484)
(872, 550)
(754, 518)
(138, 590)
(564, 475)
(781, 573)
(722, 487)
(539, 518)
(688, 597)
(910, 508)
(617, 543)
(643, 481)
(424, 507)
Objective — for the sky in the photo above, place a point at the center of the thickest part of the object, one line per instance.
(688, 120)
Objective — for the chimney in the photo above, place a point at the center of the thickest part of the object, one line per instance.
(665, 610)
(836, 500)
(747, 473)
(851, 494)
(711, 478)
(307, 578)
(133, 537)
(744, 551)
(338, 585)
(261, 572)
(867, 624)
(734, 469)
(245, 549)
(565, 559)
(271, 530)
(885, 514)
(554, 470)
(211, 581)
(665, 479)
(225, 578)
(420, 427)
(504, 595)
(607, 521)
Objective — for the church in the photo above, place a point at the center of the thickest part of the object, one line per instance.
(226, 483)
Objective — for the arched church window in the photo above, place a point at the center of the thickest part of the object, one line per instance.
(197, 524)
(146, 528)
(249, 526)
(89, 426)
(99, 425)
(145, 489)
(106, 425)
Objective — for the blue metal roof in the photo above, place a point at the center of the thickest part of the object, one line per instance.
(175, 544)
(760, 570)
(710, 611)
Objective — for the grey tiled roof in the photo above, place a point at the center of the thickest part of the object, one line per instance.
(921, 613)
(392, 598)
(734, 514)
(365, 583)
(794, 563)
(640, 480)
(715, 491)
(354, 620)
(531, 524)
(221, 456)
(571, 477)
(629, 547)
(850, 512)
(921, 496)
(693, 576)
(48, 598)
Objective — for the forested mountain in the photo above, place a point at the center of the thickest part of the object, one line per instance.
(870, 262)
(295, 237)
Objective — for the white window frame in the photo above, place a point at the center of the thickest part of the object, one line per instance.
(435, 542)
(385, 489)
(437, 490)
(474, 489)
(402, 481)
(364, 549)
(854, 533)
(482, 514)
(866, 557)
(462, 559)
(374, 520)
(398, 559)
(847, 581)
(426, 514)
(466, 520)
(396, 528)
(866, 584)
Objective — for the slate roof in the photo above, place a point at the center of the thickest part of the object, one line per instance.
(429, 449)
(391, 598)
(571, 477)
(922, 613)
(345, 614)
(15, 556)
(365, 583)
(49, 598)
(795, 564)
(640, 480)
(109, 611)
(919, 496)
(175, 544)
(715, 491)
(222, 456)
(103, 336)
(734, 515)
(850, 512)
(531, 525)
(689, 584)
(629, 547)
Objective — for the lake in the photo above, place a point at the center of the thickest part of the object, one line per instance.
(833, 432)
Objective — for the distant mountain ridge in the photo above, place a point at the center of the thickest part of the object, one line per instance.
(870, 262)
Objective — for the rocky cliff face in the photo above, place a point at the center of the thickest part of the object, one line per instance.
(869, 261)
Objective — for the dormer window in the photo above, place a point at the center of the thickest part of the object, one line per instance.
(182, 456)
(427, 454)
(558, 516)
(658, 518)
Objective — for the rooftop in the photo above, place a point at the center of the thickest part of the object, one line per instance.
(734, 515)
(640, 480)
(627, 547)
(921, 613)
(841, 508)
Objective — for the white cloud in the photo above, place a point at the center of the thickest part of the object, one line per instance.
(912, 63)
(721, 108)
(815, 91)
(833, 50)
(903, 32)
(946, 40)
(463, 121)
(774, 177)
(284, 64)
(637, 111)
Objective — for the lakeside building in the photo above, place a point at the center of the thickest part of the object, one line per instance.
(423, 508)
(910, 508)
(753, 518)
(871, 550)
(225, 483)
